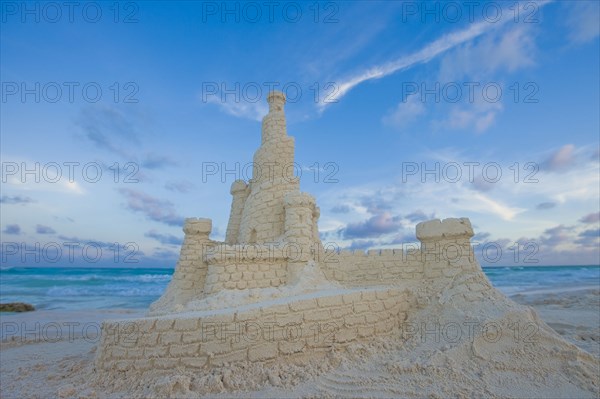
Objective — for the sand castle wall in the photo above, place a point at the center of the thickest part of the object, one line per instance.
(445, 251)
(356, 268)
(302, 327)
(244, 266)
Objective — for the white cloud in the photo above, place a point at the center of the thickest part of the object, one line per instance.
(583, 20)
(479, 63)
(503, 49)
(482, 202)
(508, 209)
(405, 112)
(477, 115)
(29, 184)
(472, 117)
(561, 159)
(241, 109)
(72, 187)
(426, 54)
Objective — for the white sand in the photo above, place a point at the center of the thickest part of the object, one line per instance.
(573, 313)
(537, 363)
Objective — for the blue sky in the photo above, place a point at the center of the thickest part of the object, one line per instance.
(155, 95)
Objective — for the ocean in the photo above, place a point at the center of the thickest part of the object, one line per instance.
(68, 288)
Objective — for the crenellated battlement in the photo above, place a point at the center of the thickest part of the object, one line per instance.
(195, 226)
(444, 229)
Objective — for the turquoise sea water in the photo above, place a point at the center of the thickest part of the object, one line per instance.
(67, 288)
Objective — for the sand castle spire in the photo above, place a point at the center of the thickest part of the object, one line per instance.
(274, 123)
(276, 100)
(257, 214)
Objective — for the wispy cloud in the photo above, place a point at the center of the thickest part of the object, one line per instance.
(419, 216)
(591, 218)
(167, 239)
(127, 172)
(478, 116)
(361, 244)
(589, 238)
(330, 35)
(556, 236)
(110, 128)
(558, 245)
(64, 219)
(496, 207)
(183, 186)
(375, 226)
(155, 161)
(405, 112)
(164, 255)
(478, 61)
(426, 54)
(17, 199)
(481, 236)
(561, 159)
(507, 49)
(566, 174)
(545, 205)
(582, 20)
(97, 243)
(41, 229)
(38, 184)
(13, 229)
(343, 208)
(482, 185)
(153, 208)
(378, 202)
(238, 108)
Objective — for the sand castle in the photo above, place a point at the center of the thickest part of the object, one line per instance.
(271, 290)
(272, 241)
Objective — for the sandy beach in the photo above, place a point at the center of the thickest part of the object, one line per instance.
(300, 199)
(35, 363)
